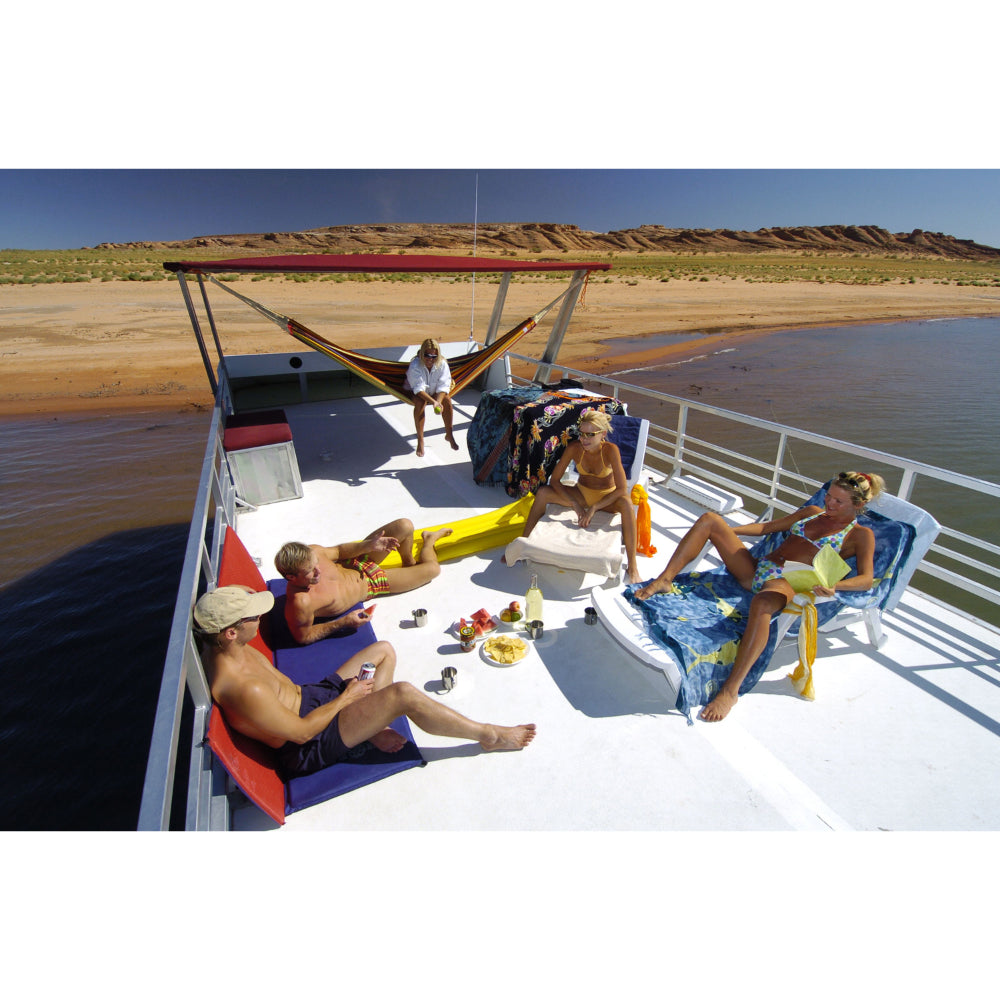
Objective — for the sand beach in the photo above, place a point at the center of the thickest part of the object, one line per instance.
(124, 345)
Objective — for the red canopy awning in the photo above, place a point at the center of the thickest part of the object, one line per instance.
(376, 263)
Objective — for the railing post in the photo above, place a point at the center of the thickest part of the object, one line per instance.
(682, 416)
(906, 484)
(779, 464)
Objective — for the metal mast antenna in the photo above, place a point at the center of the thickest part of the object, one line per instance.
(475, 222)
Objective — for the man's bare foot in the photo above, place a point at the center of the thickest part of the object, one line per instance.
(719, 707)
(452, 442)
(433, 537)
(508, 737)
(634, 576)
(420, 451)
(388, 741)
(656, 587)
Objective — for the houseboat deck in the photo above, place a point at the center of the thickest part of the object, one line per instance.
(902, 738)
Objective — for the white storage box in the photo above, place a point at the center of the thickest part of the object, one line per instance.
(262, 458)
(266, 474)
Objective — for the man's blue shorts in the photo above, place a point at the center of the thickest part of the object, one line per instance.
(321, 751)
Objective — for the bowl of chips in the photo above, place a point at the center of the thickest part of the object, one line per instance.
(503, 650)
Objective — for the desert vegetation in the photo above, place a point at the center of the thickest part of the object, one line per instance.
(43, 267)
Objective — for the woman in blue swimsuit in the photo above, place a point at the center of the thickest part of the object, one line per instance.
(809, 529)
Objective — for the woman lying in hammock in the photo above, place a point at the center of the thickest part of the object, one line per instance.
(809, 529)
(429, 382)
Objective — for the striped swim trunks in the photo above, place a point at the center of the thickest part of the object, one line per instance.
(378, 582)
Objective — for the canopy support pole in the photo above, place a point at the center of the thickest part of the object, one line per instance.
(491, 333)
(211, 318)
(196, 326)
(544, 371)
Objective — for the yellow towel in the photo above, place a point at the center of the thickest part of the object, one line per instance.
(643, 521)
(801, 677)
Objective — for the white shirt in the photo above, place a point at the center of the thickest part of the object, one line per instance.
(419, 379)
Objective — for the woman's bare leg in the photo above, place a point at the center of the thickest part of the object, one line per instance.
(419, 406)
(447, 414)
(625, 507)
(544, 495)
(764, 606)
(712, 528)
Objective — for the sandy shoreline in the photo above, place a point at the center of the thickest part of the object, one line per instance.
(105, 347)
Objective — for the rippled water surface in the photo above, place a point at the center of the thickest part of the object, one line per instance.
(93, 524)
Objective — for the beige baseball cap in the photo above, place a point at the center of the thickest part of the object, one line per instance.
(218, 609)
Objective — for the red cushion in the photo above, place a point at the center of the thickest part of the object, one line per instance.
(237, 567)
(249, 763)
(255, 430)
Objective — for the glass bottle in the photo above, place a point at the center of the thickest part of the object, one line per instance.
(533, 602)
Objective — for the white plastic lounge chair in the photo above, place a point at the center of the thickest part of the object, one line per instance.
(907, 533)
(558, 540)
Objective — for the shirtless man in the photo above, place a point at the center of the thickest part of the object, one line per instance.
(323, 582)
(314, 725)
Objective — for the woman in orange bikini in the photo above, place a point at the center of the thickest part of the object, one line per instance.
(602, 484)
(809, 529)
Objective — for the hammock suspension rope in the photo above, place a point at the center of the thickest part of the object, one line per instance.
(390, 376)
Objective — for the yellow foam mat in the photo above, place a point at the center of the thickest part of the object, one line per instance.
(473, 534)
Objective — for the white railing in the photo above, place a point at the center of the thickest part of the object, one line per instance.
(958, 561)
(183, 675)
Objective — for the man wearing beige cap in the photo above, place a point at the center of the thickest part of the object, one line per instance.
(314, 725)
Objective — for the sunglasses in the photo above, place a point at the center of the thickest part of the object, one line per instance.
(429, 355)
(590, 434)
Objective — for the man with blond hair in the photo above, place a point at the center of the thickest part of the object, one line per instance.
(324, 581)
(312, 726)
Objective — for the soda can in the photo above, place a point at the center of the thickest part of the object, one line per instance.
(367, 672)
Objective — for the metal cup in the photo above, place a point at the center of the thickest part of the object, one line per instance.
(590, 616)
(449, 677)
(420, 617)
(535, 629)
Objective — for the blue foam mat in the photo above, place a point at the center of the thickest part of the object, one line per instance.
(309, 664)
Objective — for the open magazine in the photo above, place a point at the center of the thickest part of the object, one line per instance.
(826, 569)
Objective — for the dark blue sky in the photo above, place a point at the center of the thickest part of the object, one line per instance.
(532, 84)
(67, 209)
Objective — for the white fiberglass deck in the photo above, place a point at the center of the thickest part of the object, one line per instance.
(905, 738)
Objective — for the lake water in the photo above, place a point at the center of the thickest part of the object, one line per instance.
(923, 390)
(95, 511)
(93, 525)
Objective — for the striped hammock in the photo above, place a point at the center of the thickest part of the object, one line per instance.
(390, 376)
